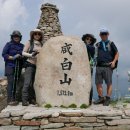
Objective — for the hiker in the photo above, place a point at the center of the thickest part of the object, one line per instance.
(107, 59)
(12, 54)
(89, 41)
(31, 51)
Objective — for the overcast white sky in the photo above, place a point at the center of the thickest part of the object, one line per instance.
(77, 17)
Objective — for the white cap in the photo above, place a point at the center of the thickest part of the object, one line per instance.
(104, 30)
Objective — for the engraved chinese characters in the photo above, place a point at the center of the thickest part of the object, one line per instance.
(63, 72)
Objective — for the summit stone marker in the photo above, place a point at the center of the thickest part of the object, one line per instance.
(63, 73)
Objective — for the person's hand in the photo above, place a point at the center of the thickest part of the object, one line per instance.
(112, 64)
(34, 53)
(16, 56)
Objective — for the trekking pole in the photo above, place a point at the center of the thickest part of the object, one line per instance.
(117, 84)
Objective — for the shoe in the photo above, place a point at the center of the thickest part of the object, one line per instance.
(90, 102)
(107, 101)
(99, 101)
(33, 102)
(25, 103)
(13, 103)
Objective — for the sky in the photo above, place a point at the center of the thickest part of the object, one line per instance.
(77, 17)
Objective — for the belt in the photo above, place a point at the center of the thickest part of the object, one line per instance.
(103, 65)
(28, 64)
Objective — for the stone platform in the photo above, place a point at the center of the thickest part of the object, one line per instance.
(38, 118)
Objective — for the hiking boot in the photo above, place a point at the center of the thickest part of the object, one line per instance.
(13, 103)
(16, 103)
(33, 102)
(99, 101)
(107, 101)
(90, 102)
(25, 103)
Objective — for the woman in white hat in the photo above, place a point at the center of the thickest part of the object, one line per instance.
(30, 51)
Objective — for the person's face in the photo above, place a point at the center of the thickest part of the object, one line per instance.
(16, 38)
(88, 40)
(104, 36)
(37, 36)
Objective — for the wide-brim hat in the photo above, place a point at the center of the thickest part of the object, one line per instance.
(34, 31)
(89, 35)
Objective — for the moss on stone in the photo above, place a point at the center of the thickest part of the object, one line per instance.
(84, 106)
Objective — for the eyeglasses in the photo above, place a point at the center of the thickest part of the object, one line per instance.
(16, 36)
(39, 34)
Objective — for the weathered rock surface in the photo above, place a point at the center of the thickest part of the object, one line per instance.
(63, 73)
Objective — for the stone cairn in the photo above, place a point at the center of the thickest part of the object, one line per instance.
(49, 21)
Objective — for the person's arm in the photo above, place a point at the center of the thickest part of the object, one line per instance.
(5, 52)
(116, 55)
(25, 50)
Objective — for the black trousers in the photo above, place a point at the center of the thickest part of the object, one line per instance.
(12, 78)
(28, 92)
(91, 91)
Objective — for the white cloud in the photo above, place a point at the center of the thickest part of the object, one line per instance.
(10, 12)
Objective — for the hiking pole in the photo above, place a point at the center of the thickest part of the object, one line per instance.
(117, 84)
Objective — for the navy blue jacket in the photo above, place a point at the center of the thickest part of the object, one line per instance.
(11, 49)
(106, 56)
(91, 51)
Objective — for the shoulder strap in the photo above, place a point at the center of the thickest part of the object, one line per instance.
(109, 45)
(31, 47)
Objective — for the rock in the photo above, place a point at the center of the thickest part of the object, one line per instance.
(53, 126)
(4, 115)
(101, 128)
(120, 127)
(36, 115)
(44, 122)
(109, 118)
(127, 112)
(60, 120)
(56, 114)
(3, 82)
(27, 123)
(118, 122)
(84, 125)
(16, 118)
(83, 119)
(49, 19)
(10, 127)
(5, 121)
(30, 128)
(109, 112)
(69, 124)
(71, 114)
(17, 113)
(71, 128)
(58, 82)
(100, 121)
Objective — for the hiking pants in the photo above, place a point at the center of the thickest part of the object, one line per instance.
(28, 92)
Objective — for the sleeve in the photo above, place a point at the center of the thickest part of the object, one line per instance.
(25, 50)
(114, 48)
(91, 50)
(5, 52)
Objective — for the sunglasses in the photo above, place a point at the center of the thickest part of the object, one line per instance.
(15, 36)
(39, 34)
(89, 39)
(103, 34)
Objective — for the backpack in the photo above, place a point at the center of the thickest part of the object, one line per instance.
(109, 45)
